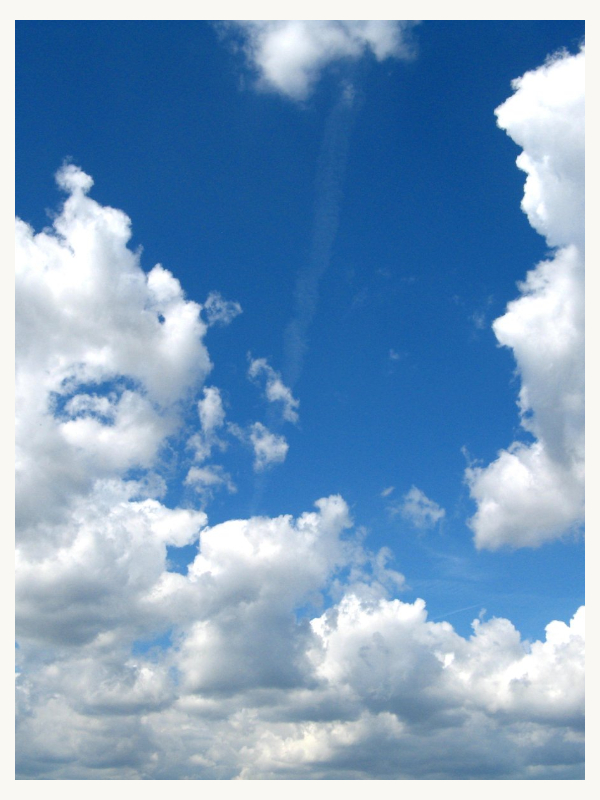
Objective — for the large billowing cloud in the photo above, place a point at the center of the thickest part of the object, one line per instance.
(289, 55)
(106, 355)
(534, 491)
(252, 687)
(283, 651)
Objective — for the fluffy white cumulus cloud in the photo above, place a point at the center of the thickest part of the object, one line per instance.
(289, 55)
(281, 652)
(275, 390)
(534, 492)
(105, 354)
(418, 509)
(251, 688)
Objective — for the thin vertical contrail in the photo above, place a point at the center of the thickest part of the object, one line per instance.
(331, 168)
(329, 181)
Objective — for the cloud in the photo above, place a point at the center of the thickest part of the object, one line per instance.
(212, 417)
(282, 651)
(368, 688)
(219, 311)
(206, 479)
(269, 448)
(288, 56)
(534, 492)
(106, 355)
(275, 390)
(418, 509)
(210, 410)
(250, 688)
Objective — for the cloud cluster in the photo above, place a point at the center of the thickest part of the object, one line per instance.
(288, 56)
(282, 652)
(253, 686)
(534, 492)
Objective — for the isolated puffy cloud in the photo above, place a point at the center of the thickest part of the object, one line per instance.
(211, 415)
(275, 390)
(207, 479)
(289, 55)
(534, 492)
(418, 509)
(210, 409)
(269, 448)
(219, 311)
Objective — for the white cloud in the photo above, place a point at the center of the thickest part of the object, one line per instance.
(289, 55)
(210, 410)
(94, 575)
(219, 311)
(281, 653)
(275, 390)
(369, 688)
(206, 479)
(534, 492)
(387, 653)
(212, 417)
(269, 448)
(418, 509)
(105, 354)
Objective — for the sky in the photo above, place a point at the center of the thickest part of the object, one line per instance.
(299, 400)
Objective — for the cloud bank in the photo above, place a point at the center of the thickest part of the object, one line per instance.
(283, 651)
(534, 491)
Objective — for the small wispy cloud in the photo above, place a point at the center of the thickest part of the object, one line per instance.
(205, 480)
(418, 509)
(275, 389)
(212, 417)
(219, 311)
(269, 448)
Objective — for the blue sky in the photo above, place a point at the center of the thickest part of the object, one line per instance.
(351, 198)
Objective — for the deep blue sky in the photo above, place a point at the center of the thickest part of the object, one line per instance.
(219, 182)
